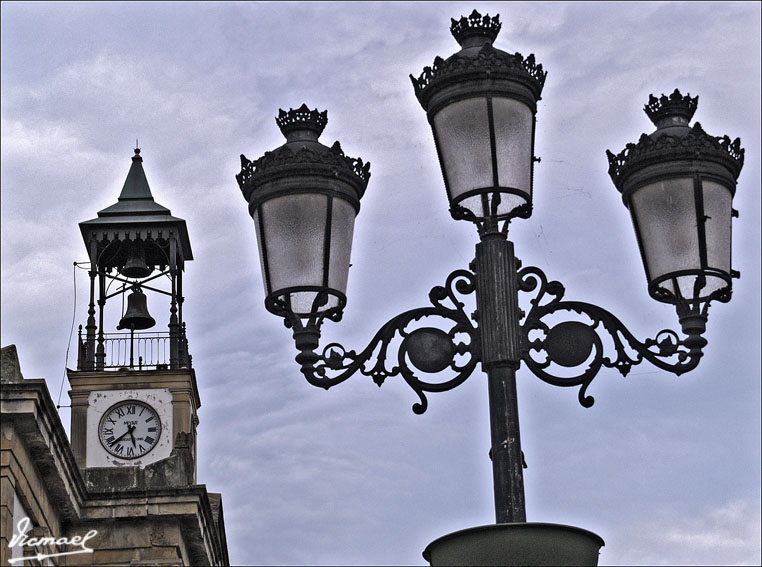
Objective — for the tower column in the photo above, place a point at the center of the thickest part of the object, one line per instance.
(90, 327)
(89, 362)
(79, 405)
(174, 325)
(100, 355)
(183, 346)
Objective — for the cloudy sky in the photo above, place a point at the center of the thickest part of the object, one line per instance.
(665, 469)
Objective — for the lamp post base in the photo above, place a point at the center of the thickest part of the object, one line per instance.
(516, 544)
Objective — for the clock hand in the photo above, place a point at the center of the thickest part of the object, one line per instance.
(129, 431)
(115, 441)
(132, 436)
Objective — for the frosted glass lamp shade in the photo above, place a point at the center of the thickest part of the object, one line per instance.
(485, 149)
(683, 227)
(305, 240)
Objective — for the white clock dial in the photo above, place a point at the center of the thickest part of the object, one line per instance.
(129, 429)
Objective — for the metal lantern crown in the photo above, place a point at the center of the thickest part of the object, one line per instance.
(481, 104)
(678, 184)
(303, 197)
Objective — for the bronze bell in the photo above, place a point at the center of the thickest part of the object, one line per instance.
(137, 316)
(135, 266)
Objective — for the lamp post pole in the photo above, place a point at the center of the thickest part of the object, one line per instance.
(507, 468)
(497, 314)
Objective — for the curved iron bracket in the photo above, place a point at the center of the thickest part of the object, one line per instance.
(572, 343)
(420, 348)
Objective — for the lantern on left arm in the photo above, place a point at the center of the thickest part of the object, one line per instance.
(303, 197)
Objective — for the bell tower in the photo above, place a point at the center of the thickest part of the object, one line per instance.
(134, 395)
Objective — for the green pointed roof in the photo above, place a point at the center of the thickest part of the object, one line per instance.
(137, 210)
(136, 197)
(136, 184)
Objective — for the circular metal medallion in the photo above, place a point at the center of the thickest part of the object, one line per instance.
(429, 349)
(569, 343)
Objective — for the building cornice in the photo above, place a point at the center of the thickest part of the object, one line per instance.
(106, 380)
(28, 406)
(190, 505)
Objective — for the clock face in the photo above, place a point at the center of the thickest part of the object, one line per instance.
(129, 429)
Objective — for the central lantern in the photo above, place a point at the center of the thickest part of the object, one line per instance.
(481, 104)
(303, 197)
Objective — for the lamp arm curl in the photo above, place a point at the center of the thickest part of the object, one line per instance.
(572, 343)
(420, 347)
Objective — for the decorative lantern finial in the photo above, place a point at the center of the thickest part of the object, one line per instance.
(674, 108)
(475, 26)
(301, 119)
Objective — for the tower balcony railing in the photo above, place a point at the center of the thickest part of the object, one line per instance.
(133, 351)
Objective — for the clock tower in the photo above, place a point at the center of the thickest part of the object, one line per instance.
(134, 395)
(125, 480)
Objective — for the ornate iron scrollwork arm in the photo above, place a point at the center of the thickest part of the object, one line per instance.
(420, 348)
(572, 343)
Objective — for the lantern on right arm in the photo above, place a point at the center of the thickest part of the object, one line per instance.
(678, 184)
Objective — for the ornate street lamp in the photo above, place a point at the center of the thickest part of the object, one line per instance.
(678, 184)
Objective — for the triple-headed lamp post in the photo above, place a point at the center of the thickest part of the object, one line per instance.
(677, 182)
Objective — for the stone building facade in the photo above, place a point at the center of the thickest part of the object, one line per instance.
(156, 515)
